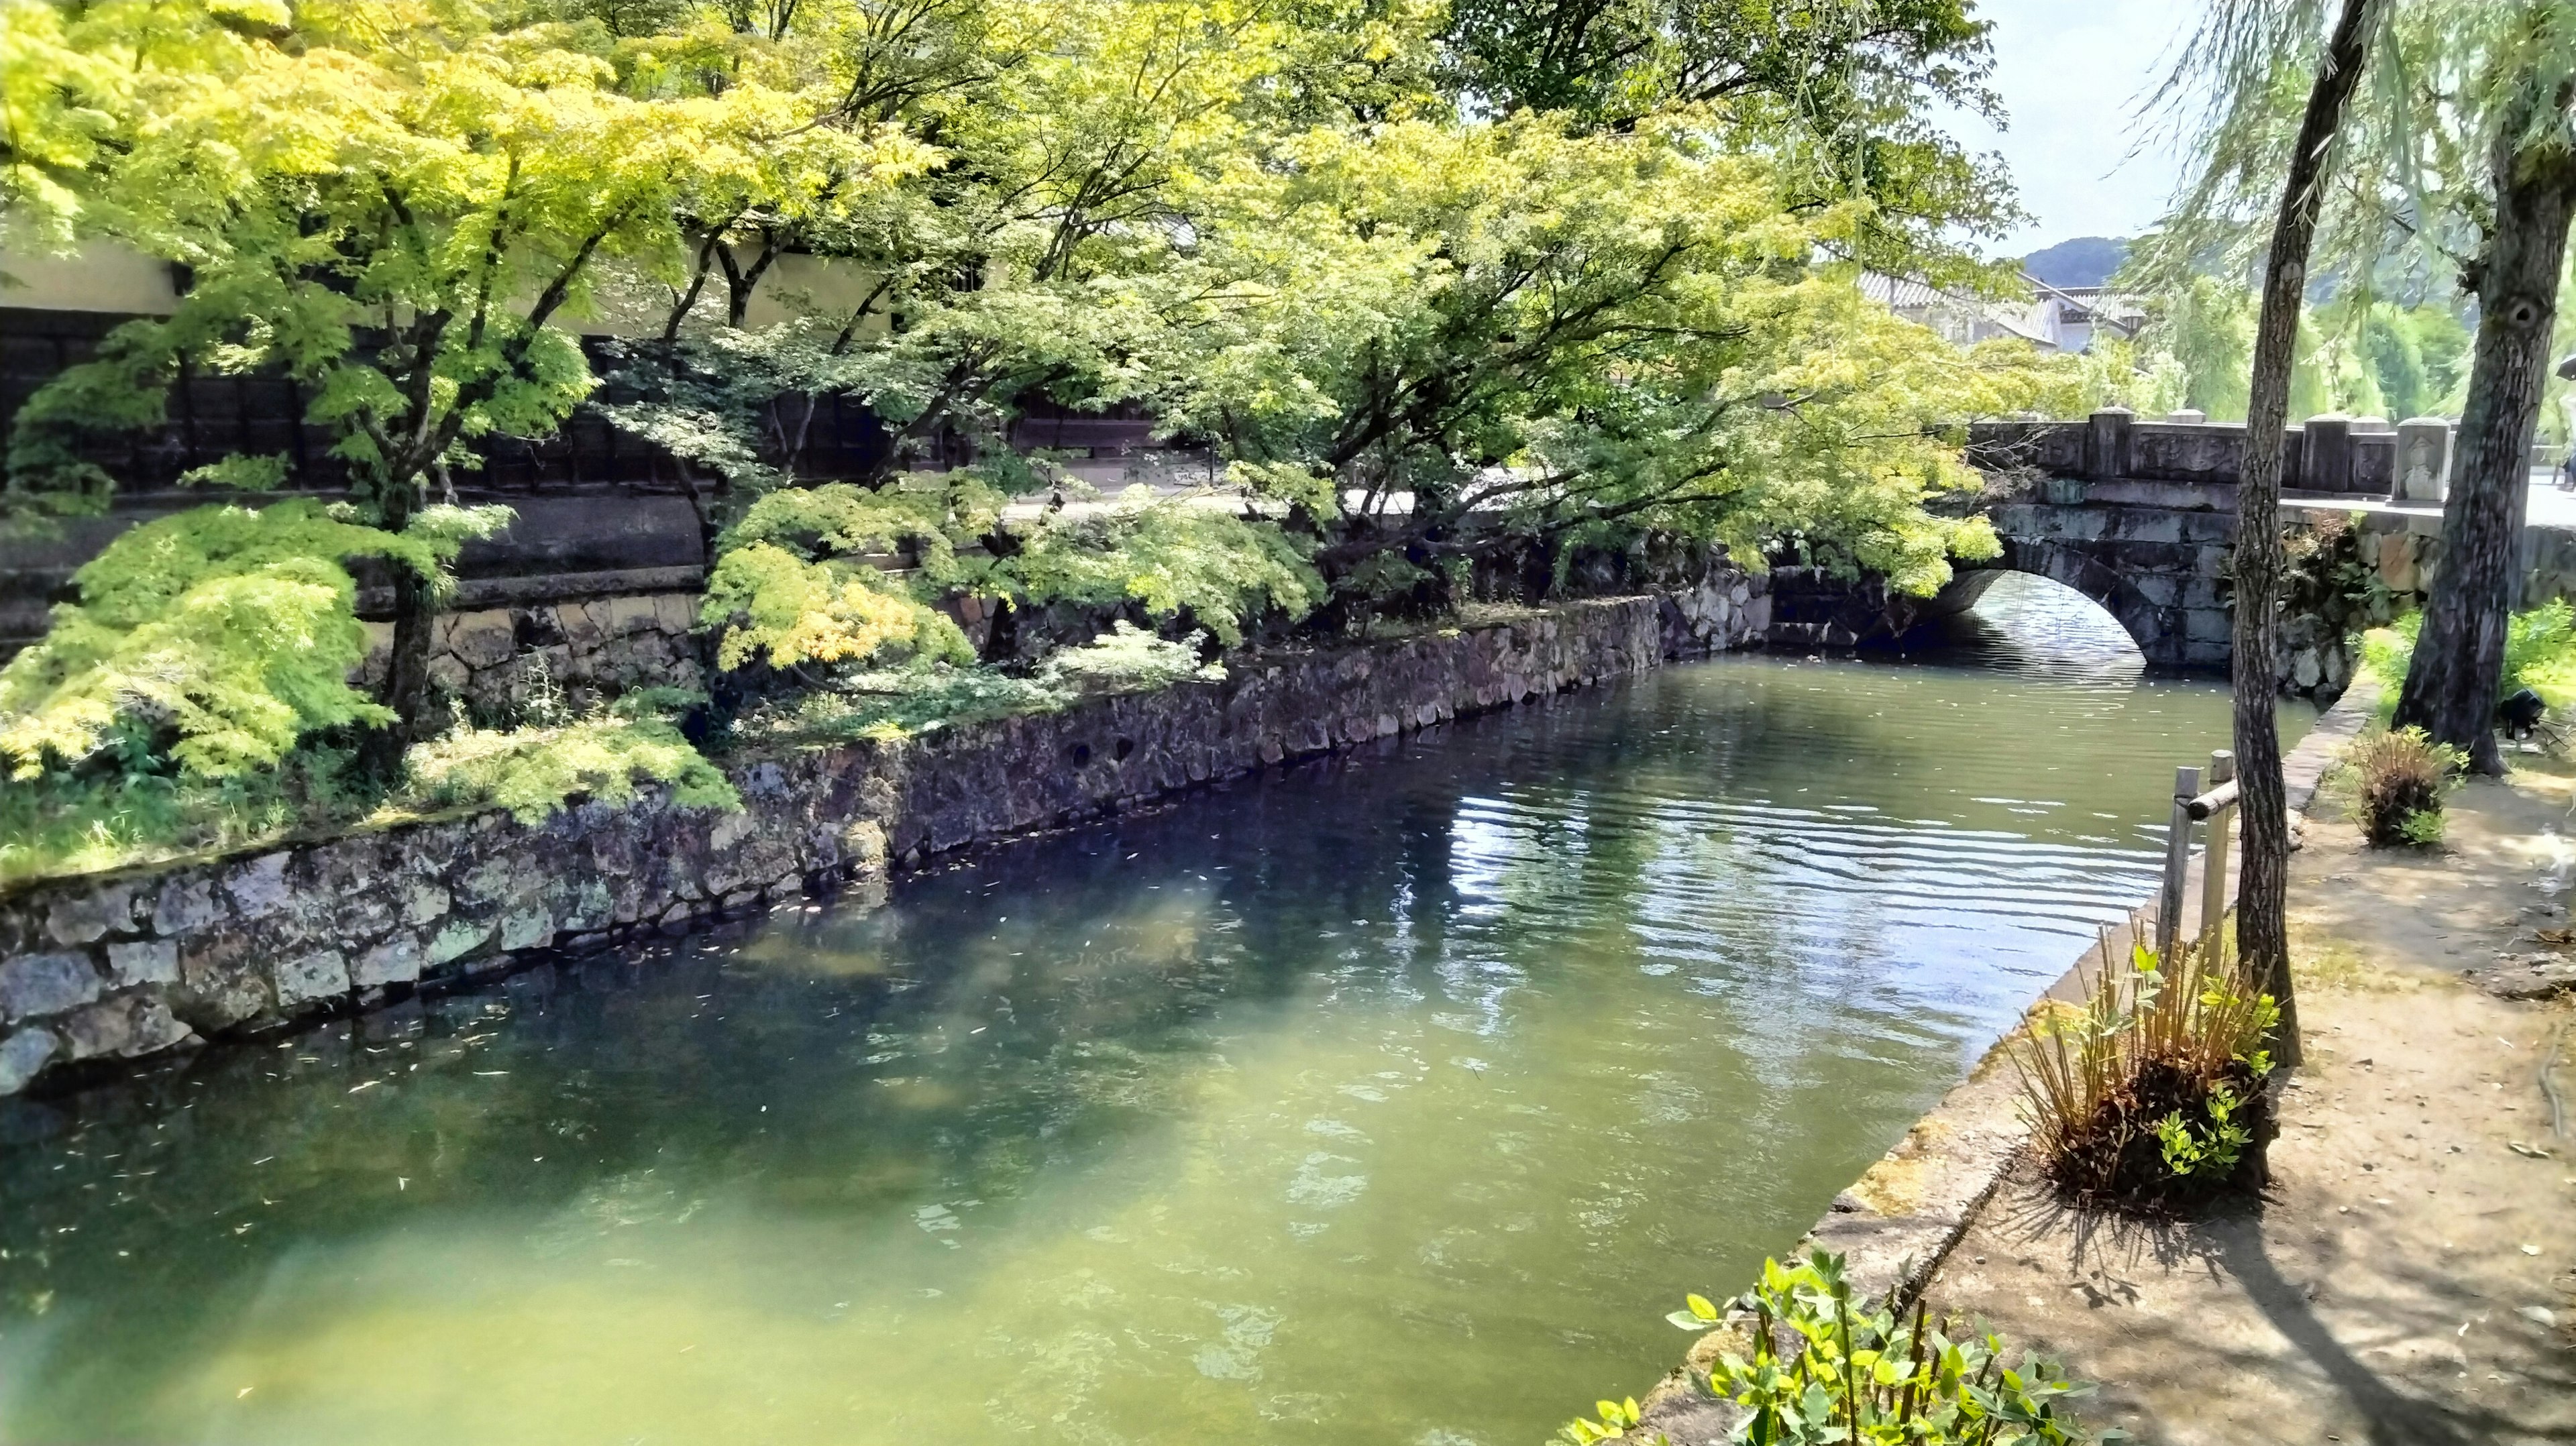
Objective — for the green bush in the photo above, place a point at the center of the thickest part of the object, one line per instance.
(897, 702)
(2399, 777)
(210, 642)
(1823, 1367)
(2539, 654)
(534, 771)
(2148, 1094)
(1171, 558)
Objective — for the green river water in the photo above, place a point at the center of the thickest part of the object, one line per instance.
(1390, 1099)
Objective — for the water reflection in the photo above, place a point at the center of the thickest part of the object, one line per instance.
(1391, 1099)
(2034, 627)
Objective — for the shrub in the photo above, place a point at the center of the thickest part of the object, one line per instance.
(896, 702)
(1127, 659)
(1168, 557)
(2539, 654)
(1827, 1368)
(2149, 1094)
(210, 642)
(534, 771)
(2399, 778)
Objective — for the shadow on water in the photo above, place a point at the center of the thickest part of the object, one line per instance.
(1391, 1098)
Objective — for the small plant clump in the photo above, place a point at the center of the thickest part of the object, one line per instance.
(1825, 1367)
(2399, 777)
(533, 771)
(2150, 1095)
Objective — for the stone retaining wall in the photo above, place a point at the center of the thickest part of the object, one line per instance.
(125, 966)
(491, 660)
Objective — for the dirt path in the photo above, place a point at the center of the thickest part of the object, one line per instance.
(2410, 1275)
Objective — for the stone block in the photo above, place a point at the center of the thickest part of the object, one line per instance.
(153, 961)
(122, 1027)
(184, 904)
(630, 615)
(219, 979)
(395, 961)
(321, 974)
(484, 639)
(459, 938)
(2423, 459)
(2161, 590)
(36, 984)
(527, 929)
(578, 626)
(2201, 625)
(91, 914)
(678, 611)
(2218, 527)
(258, 888)
(2325, 454)
(2397, 561)
(2140, 524)
(22, 1055)
(424, 902)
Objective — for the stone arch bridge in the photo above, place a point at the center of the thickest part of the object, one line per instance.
(2141, 517)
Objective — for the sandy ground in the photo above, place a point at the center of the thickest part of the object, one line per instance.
(2409, 1275)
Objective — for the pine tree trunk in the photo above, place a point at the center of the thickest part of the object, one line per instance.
(2262, 891)
(2458, 668)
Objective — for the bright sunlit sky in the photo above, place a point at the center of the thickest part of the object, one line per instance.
(2074, 75)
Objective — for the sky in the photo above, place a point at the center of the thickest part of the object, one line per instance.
(2074, 75)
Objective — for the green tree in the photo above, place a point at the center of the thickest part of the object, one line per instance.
(1573, 336)
(2461, 171)
(390, 203)
(2254, 46)
(1845, 94)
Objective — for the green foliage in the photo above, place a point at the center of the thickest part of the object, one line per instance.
(793, 581)
(446, 177)
(1127, 659)
(1824, 1367)
(61, 823)
(1178, 559)
(2139, 1096)
(1610, 1421)
(2399, 777)
(535, 771)
(2539, 653)
(212, 640)
(1845, 89)
(775, 607)
(1575, 336)
(2207, 1148)
(917, 698)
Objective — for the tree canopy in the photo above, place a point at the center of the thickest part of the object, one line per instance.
(1427, 283)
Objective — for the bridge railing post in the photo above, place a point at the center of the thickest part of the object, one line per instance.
(2109, 444)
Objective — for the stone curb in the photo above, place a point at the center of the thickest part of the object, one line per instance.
(1897, 1222)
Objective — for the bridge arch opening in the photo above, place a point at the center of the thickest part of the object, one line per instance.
(2027, 621)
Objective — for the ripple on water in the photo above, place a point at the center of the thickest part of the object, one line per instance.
(1389, 1100)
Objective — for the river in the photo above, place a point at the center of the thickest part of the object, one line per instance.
(1389, 1099)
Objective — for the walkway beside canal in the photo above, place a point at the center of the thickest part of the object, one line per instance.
(2410, 1274)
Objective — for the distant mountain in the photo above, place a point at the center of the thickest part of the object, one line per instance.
(2084, 261)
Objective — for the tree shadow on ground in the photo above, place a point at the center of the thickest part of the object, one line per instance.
(2102, 1253)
